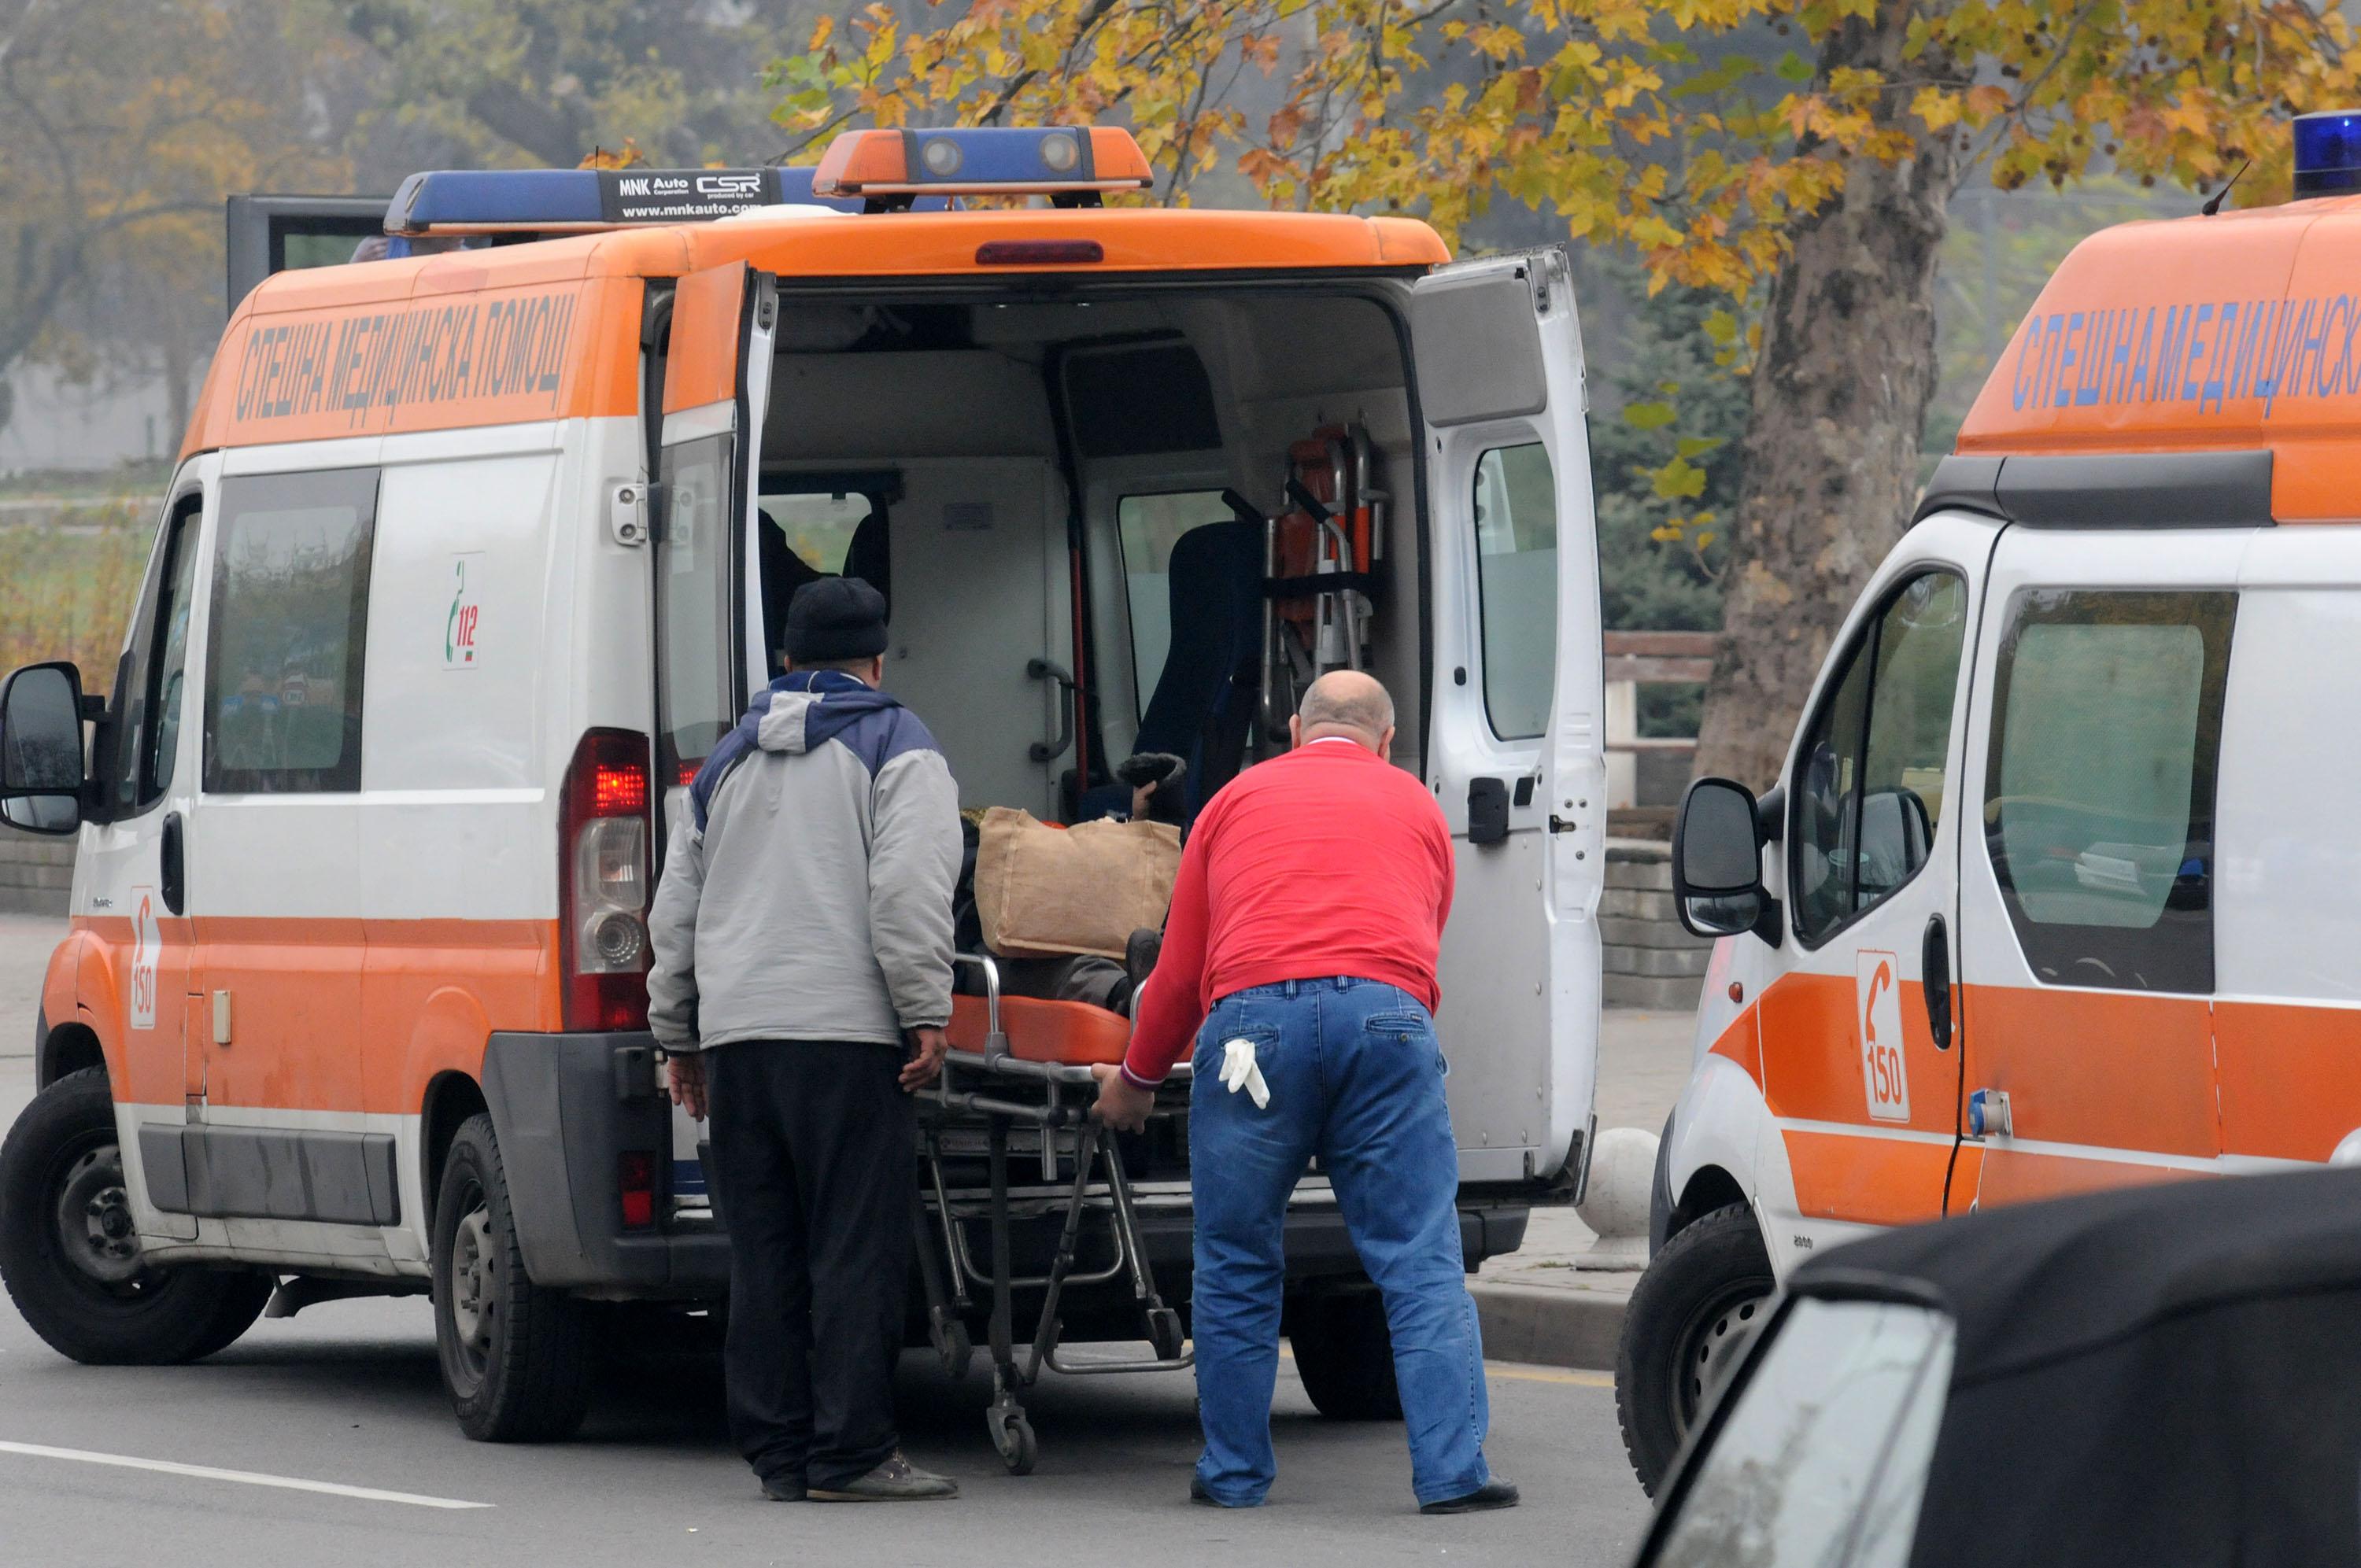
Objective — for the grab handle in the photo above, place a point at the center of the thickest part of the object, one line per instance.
(1043, 670)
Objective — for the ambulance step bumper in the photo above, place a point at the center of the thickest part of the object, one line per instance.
(567, 1109)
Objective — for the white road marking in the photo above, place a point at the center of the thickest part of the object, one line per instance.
(243, 1477)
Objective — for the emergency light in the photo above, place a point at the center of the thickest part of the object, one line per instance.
(1072, 165)
(2327, 153)
(582, 201)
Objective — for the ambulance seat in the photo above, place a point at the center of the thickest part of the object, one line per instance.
(1070, 1033)
(1205, 696)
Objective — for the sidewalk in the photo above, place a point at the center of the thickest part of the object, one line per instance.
(1547, 1303)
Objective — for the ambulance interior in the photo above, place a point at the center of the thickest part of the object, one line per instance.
(990, 463)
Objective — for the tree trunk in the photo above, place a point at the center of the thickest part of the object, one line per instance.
(1846, 370)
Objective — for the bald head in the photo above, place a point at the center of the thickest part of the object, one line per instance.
(1348, 704)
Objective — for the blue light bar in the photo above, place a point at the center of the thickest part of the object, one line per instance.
(580, 201)
(1066, 161)
(2327, 153)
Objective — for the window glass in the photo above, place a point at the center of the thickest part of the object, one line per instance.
(1515, 562)
(1822, 1460)
(173, 657)
(289, 621)
(1150, 526)
(2099, 798)
(1869, 783)
(696, 690)
(818, 527)
(132, 702)
(809, 534)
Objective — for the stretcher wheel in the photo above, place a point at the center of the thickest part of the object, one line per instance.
(1012, 1433)
(1164, 1333)
(955, 1348)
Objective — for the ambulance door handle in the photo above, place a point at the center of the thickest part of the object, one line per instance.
(170, 874)
(1934, 980)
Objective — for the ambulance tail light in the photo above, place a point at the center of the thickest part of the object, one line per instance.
(602, 874)
(636, 1179)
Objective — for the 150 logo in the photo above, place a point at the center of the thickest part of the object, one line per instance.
(146, 949)
(1877, 996)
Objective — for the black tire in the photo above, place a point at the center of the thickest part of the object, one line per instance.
(71, 1260)
(1695, 1303)
(515, 1357)
(1344, 1354)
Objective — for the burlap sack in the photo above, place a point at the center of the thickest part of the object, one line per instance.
(1042, 891)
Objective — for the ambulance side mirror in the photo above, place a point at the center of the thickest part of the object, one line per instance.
(1718, 841)
(40, 749)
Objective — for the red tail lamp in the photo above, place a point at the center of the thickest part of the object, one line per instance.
(1039, 253)
(637, 1179)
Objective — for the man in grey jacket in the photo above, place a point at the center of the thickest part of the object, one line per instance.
(802, 983)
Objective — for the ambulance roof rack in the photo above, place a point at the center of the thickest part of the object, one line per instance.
(539, 201)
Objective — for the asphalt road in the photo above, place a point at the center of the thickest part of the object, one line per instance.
(346, 1397)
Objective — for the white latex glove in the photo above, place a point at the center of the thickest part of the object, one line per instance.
(1239, 1071)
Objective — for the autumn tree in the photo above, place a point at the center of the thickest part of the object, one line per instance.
(125, 126)
(1819, 182)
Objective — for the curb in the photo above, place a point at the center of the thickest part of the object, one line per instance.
(1550, 1327)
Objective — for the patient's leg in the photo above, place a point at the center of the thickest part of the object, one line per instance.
(1082, 977)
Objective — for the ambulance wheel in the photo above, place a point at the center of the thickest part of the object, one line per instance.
(1345, 1354)
(70, 1259)
(516, 1358)
(1691, 1309)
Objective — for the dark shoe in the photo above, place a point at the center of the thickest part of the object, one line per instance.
(784, 1488)
(1197, 1493)
(895, 1481)
(1492, 1494)
(1140, 953)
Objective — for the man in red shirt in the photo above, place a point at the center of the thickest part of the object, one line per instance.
(1300, 955)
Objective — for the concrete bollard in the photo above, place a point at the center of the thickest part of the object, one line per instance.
(1616, 1206)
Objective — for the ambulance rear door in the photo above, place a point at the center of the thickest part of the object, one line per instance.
(715, 382)
(1515, 730)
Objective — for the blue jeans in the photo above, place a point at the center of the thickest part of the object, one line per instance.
(1355, 1076)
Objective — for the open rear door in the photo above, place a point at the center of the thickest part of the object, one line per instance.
(716, 378)
(1515, 739)
(708, 601)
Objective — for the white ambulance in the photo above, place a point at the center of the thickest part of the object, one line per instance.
(470, 557)
(2055, 890)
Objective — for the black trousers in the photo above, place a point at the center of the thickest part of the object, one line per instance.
(813, 1162)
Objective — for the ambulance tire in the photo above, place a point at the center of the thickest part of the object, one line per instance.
(1345, 1354)
(109, 1311)
(1701, 1296)
(516, 1358)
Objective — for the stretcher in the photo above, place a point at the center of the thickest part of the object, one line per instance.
(1018, 1062)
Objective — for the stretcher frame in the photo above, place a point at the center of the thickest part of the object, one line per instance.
(995, 1089)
